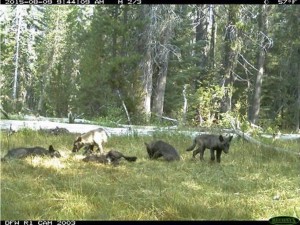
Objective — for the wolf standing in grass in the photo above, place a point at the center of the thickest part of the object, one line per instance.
(158, 149)
(94, 137)
(216, 143)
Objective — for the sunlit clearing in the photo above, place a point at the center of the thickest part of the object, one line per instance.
(79, 157)
(55, 163)
(192, 185)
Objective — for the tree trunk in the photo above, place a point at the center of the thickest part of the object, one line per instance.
(297, 119)
(52, 58)
(185, 104)
(212, 50)
(19, 15)
(158, 101)
(201, 36)
(230, 58)
(147, 63)
(147, 84)
(261, 61)
(164, 34)
(114, 34)
(257, 91)
(158, 36)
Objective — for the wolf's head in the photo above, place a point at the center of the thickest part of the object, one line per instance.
(225, 143)
(54, 153)
(149, 149)
(78, 144)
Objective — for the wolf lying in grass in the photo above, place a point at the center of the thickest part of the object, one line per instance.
(94, 137)
(55, 131)
(212, 142)
(159, 148)
(112, 156)
(18, 153)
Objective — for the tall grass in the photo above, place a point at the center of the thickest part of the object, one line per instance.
(250, 183)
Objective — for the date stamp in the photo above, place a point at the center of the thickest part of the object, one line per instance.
(41, 222)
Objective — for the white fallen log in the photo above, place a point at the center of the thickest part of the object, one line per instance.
(282, 136)
(250, 139)
(16, 125)
(82, 126)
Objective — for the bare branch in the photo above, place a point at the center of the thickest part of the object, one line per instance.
(246, 69)
(247, 61)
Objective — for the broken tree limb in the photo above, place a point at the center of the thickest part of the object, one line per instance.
(250, 139)
(124, 106)
(185, 105)
(174, 121)
(4, 113)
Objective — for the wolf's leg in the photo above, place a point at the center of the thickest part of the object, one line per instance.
(196, 152)
(212, 155)
(88, 149)
(100, 148)
(201, 153)
(219, 156)
(156, 155)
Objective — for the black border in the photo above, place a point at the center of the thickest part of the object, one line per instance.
(95, 222)
(144, 2)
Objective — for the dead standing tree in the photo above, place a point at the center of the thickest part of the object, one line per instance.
(19, 18)
(146, 65)
(157, 37)
(162, 52)
(265, 43)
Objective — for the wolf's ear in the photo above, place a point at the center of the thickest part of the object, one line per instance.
(79, 139)
(221, 138)
(51, 149)
(230, 138)
(147, 145)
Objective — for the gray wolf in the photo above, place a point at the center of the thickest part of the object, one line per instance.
(94, 137)
(160, 148)
(216, 143)
(19, 153)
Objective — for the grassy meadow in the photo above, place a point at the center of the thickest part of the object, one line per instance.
(251, 183)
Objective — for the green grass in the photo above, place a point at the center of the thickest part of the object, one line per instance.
(242, 187)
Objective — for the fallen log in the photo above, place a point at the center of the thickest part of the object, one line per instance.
(250, 139)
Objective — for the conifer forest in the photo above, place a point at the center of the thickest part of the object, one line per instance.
(192, 64)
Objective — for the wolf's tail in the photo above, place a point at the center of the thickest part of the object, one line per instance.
(193, 146)
(130, 158)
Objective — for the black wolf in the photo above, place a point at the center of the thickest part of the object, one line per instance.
(160, 148)
(19, 153)
(59, 131)
(94, 137)
(112, 156)
(115, 156)
(96, 158)
(212, 142)
(55, 131)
